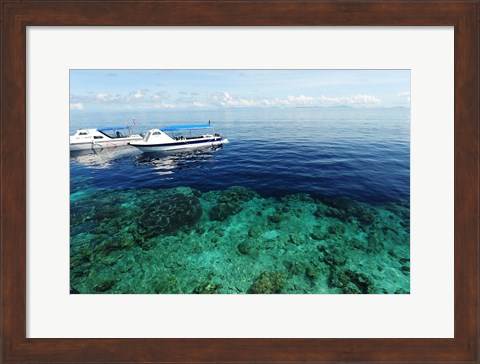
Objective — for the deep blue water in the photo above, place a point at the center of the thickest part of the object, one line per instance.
(362, 154)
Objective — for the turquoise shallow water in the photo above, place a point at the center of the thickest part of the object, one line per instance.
(301, 201)
(181, 240)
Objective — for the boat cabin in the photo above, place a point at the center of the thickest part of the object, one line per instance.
(156, 136)
(85, 135)
(100, 134)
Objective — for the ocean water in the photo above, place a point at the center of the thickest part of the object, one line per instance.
(302, 200)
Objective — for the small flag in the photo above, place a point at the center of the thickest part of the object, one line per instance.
(134, 123)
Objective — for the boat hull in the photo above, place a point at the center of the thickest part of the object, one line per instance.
(179, 145)
(82, 146)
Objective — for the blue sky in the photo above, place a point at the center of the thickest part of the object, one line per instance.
(96, 90)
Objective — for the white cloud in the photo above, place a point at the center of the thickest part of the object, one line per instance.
(144, 99)
(76, 106)
(225, 99)
(160, 95)
(405, 95)
(164, 105)
(137, 95)
(103, 96)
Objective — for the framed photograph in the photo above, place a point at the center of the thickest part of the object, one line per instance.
(242, 182)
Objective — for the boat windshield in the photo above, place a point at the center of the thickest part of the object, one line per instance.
(147, 136)
(116, 132)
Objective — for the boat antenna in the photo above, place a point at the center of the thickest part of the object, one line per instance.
(133, 124)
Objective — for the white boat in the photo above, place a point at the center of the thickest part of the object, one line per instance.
(94, 139)
(181, 138)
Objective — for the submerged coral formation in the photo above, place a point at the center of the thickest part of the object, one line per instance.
(268, 282)
(181, 240)
(171, 213)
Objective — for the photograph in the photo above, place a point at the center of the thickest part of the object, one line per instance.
(239, 181)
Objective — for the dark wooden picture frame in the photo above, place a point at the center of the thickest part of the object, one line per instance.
(18, 15)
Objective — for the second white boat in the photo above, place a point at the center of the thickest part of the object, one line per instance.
(96, 139)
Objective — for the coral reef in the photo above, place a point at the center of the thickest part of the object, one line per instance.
(104, 286)
(208, 288)
(180, 240)
(230, 202)
(170, 213)
(268, 282)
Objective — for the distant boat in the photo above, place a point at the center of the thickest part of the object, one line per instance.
(157, 140)
(93, 139)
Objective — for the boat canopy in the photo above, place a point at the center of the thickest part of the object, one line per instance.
(180, 127)
(113, 128)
